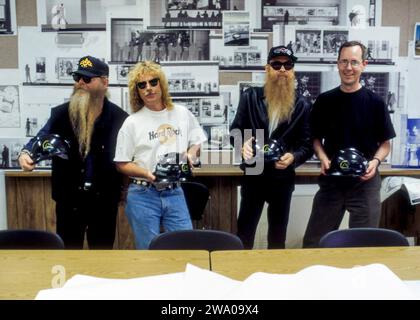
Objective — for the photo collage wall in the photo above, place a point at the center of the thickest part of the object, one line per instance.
(195, 42)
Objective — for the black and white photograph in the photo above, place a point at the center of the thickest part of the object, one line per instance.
(192, 78)
(31, 126)
(192, 104)
(212, 111)
(7, 17)
(122, 73)
(236, 28)
(352, 13)
(164, 45)
(65, 68)
(75, 15)
(9, 152)
(4, 155)
(40, 75)
(253, 57)
(307, 42)
(230, 96)
(9, 106)
(190, 14)
(321, 44)
(126, 40)
(333, 39)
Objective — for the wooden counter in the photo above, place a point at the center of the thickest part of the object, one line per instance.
(23, 273)
(29, 203)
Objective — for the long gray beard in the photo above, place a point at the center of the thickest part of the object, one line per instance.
(80, 102)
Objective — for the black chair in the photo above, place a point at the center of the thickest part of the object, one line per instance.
(196, 195)
(210, 240)
(363, 237)
(30, 239)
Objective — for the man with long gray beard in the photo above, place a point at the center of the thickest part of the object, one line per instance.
(86, 187)
(283, 117)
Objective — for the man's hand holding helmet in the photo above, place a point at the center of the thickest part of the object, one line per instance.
(286, 160)
(25, 161)
(371, 169)
(247, 152)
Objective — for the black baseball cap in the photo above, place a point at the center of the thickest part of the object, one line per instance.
(92, 67)
(281, 51)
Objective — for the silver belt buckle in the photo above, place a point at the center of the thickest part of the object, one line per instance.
(159, 186)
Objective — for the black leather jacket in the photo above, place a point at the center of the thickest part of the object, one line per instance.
(252, 114)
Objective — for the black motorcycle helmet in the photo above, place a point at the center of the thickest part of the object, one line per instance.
(172, 167)
(348, 162)
(271, 151)
(48, 146)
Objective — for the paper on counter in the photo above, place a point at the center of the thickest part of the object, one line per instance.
(374, 281)
(370, 282)
(194, 283)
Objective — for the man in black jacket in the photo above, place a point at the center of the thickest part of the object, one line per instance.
(86, 187)
(284, 117)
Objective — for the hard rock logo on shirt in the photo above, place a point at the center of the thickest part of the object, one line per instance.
(165, 133)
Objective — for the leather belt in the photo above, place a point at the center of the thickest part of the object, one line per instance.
(159, 186)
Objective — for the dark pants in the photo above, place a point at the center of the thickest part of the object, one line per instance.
(255, 191)
(90, 214)
(335, 196)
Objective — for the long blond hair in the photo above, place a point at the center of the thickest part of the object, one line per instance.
(149, 68)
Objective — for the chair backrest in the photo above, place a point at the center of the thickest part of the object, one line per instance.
(196, 196)
(210, 240)
(30, 239)
(363, 237)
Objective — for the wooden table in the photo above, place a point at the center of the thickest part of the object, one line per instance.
(23, 273)
(403, 261)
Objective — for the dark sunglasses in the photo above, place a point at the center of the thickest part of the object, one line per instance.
(276, 65)
(86, 79)
(143, 84)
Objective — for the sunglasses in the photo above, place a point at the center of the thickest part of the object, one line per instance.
(143, 84)
(86, 79)
(276, 65)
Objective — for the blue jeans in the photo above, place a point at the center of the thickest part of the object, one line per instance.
(147, 209)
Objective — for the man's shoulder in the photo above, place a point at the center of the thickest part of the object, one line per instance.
(373, 96)
(330, 93)
(60, 109)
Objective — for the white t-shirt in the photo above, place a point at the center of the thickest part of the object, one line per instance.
(146, 135)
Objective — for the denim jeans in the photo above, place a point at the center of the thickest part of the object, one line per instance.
(147, 209)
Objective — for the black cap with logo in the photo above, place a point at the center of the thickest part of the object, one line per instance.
(92, 67)
(281, 51)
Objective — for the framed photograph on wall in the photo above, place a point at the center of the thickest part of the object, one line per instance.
(65, 68)
(126, 39)
(188, 14)
(235, 58)
(417, 40)
(7, 17)
(9, 106)
(236, 28)
(192, 79)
